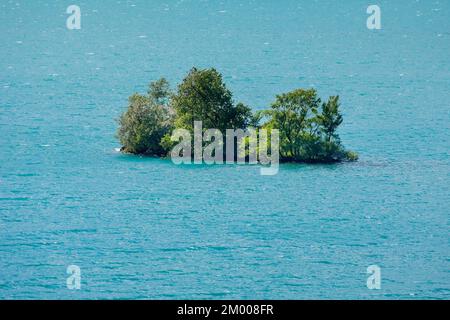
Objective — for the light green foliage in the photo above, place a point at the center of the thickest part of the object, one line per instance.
(147, 120)
(159, 92)
(330, 119)
(307, 127)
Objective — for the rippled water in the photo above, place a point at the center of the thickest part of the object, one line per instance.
(145, 228)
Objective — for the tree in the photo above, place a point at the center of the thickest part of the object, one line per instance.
(203, 96)
(331, 118)
(293, 113)
(159, 91)
(147, 120)
(305, 134)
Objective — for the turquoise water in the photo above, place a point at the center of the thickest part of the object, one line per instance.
(144, 228)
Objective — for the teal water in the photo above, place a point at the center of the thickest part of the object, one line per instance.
(144, 228)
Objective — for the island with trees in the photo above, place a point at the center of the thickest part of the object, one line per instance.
(307, 125)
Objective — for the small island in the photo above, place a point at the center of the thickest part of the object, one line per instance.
(307, 126)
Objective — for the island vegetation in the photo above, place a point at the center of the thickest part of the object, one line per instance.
(307, 125)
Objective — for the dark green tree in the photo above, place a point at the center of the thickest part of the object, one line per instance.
(203, 96)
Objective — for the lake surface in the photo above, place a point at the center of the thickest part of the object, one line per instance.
(147, 229)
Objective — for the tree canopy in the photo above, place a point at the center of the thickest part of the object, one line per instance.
(147, 120)
(203, 96)
(307, 127)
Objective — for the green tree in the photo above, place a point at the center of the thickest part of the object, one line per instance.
(146, 121)
(294, 114)
(305, 134)
(331, 118)
(203, 96)
(159, 91)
